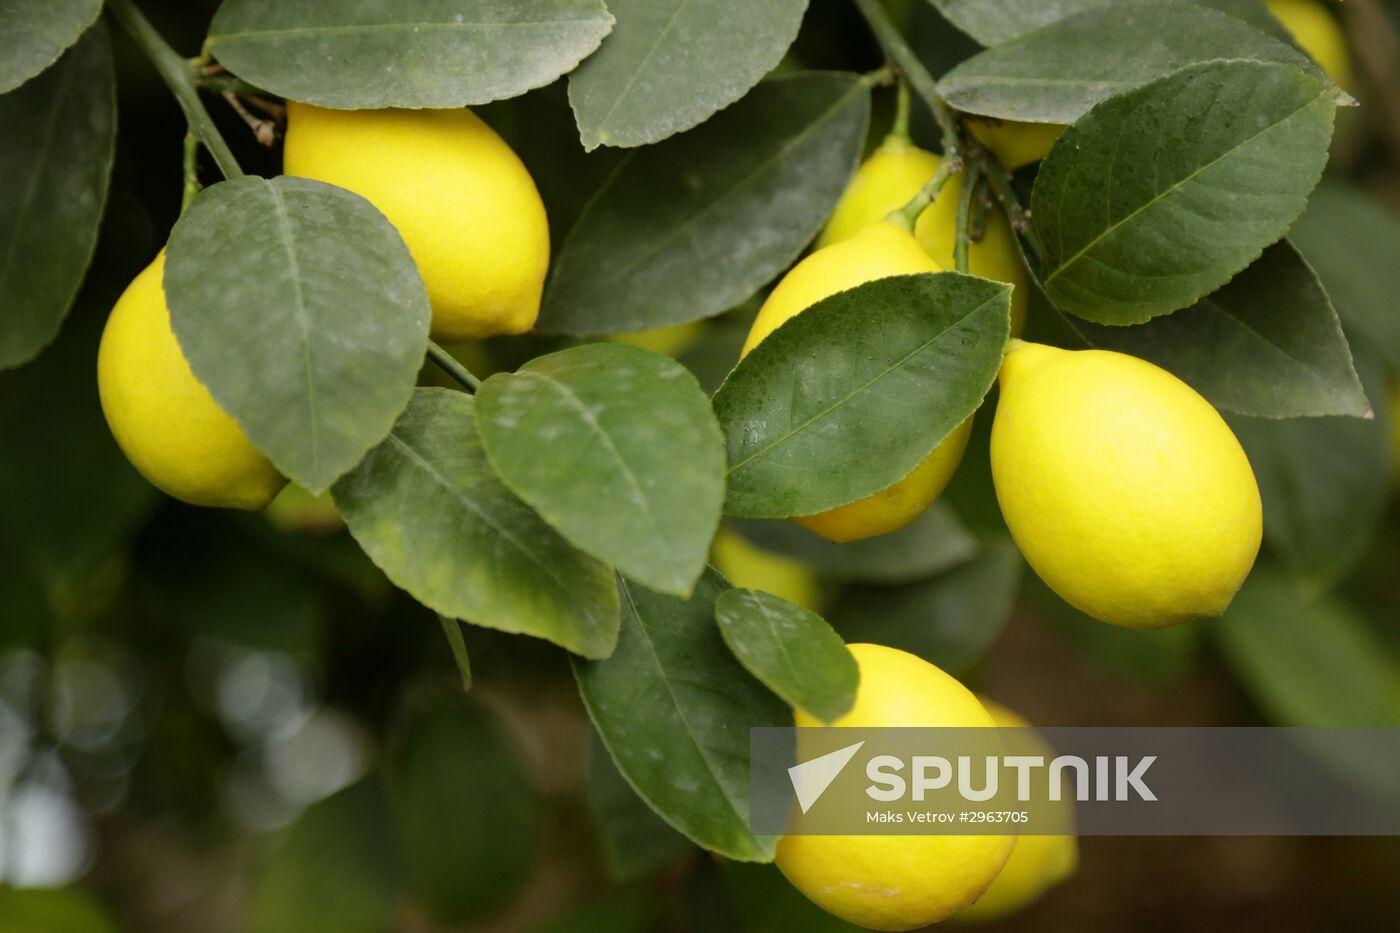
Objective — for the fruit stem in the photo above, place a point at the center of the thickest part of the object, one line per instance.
(453, 630)
(900, 129)
(191, 163)
(452, 367)
(999, 180)
(907, 216)
(179, 76)
(960, 237)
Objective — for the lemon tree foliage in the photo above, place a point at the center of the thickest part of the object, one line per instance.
(59, 131)
(633, 839)
(34, 33)
(792, 650)
(849, 396)
(1057, 73)
(635, 472)
(670, 64)
(405, 53)
(695, 225)
(322, 301)
(993, 22)
(427, 508)
(1234, 149)
(674, 709)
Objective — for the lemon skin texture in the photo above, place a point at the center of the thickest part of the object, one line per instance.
(747, 565)
(877, 251)
(463, 202)
(897, 882)
(1124, 489)
(1014, 143)
(1318, 32)
(163, 418)
(1037, 864)
(887, 180)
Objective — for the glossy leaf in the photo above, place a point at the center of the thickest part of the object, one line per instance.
(634, 840)
(1055, 74)
(59, 132)
(409, 53)
(427, 509)
(312, 332)
(674, 709)
(1233, 147)
(695, 225)
(670, 64)
(849, 396)
(635, 468)
(993, 22)
(792, 650)
(1268, 343)
(34, 33)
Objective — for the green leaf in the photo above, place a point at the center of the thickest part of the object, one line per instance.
(791, 650)
(1159, 196)
(671, 64)
(635, 468)
(1055, 74)
(635, 841)
(764, 901)
(1268, 343)
(311, 333)
(332, 872)
(849, 396)
(934, 542)
(674, 709)
(464, 815)
(1354, 244)
(409, 53)
(951, 620)
(993, 22)
(34, 33)
(428, 510)
(60, 132)
(695, 225)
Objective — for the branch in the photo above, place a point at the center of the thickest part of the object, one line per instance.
(960, 238)
(907, 216)
(903, 58)
(453, 367)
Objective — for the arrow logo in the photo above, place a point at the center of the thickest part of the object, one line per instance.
(811, 778)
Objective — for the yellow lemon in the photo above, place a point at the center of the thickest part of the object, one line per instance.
(887, 180)
(1318, 32)
(897, 882)
(1037, 864)
(670, 341)
(878, 251)
(747, 565)
(1124, 489)
(163, 418)
(1013, 143)
(459, 196)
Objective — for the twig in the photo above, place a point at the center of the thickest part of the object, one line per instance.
(191, 164)
(903, 58)
(960, 236)
(907, 216)
(453, 367)
(265, 131)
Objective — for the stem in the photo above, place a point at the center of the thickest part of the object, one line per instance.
(191, 163)
(903, 57)
(960, 239)
(907, 216)
(900, 129)
(452, 367)
(453, 630)
(999, 180)
(179, 76)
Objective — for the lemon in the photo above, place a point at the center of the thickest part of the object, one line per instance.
(1037, 864)
(669, 341)
(878, 251)
(163, 418)
(887, 180)
(1124, 489)
(897, 882)
(461, 199)
(1318, 32)
(747, 565)
(1014, 143)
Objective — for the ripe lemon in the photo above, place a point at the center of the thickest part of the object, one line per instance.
(163, 418)
(747, 565)
(1318, 32)
(669, 341)
(1013, 143)
(1124, 489)
(459, 196)
(887, 180)
(1037, 864)
(897, 882)
(878, 251)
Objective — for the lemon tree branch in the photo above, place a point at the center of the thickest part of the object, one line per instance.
(903, 58)
(960, 237)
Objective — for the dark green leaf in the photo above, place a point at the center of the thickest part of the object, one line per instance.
(312, 332)
(428, 510)
(765, 902)
(950, 621)
(452, 629)
(933, 542)
(1268, 343)
(993, 22)
(791, 650)
(670, 64)
(409, 53)
(674, 709)
(846, 398)
(34, 33)
(635, 841)
(59, 132)
(634, 473)
(1055, 74)
(693, 226)
(1159, 196)
(463, 812)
